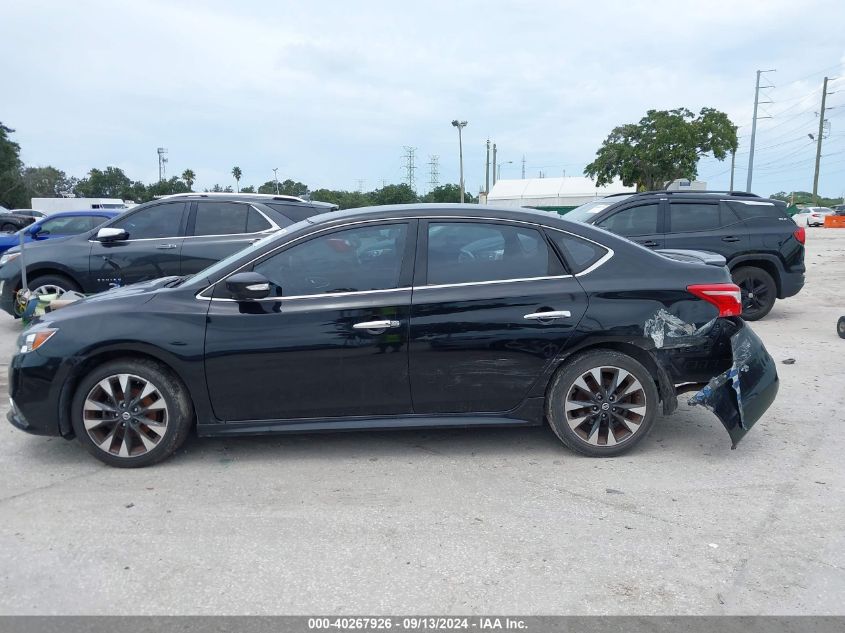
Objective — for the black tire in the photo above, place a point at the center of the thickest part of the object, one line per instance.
(580, 437)
(8, 228)
(177, 412)
(840, 327)
(759, 291)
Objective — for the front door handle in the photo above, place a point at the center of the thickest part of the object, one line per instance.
(166, 246)
(548, 316)
(649, 244)
(730, 238)
(375, 325)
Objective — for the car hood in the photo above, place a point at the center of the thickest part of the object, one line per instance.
(140, 288)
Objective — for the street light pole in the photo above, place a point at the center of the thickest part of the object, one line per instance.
(460, 125)
(276, 178)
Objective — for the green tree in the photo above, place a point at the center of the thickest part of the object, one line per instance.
(189, 177)
(167, 187)
(286, 187)
(249, 189)
(343, 199)
(805, 198)
(108, 183)
(447, 193)
(663, 146)
(46, 182)
(12, 189)
(394, 194)
(236, 172)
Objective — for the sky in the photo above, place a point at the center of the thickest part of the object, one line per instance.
(331, 93)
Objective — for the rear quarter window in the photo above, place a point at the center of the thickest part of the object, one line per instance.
(295, 212)
(753, 209)
(580, 254)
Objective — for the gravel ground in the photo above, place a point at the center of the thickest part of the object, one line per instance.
(474, 521)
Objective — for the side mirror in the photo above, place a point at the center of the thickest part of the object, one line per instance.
(245, 286)
(33, 230)
(109, 234)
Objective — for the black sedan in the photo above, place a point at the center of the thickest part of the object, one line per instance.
(399, 317)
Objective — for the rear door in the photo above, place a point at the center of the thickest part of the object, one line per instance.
(152, 249)
(708, 225)
(640, 222)
(478, 338)
(216, 229)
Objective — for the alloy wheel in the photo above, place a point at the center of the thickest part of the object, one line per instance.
(49, 289)
(755, 294)
(605, 406)
(125, 415)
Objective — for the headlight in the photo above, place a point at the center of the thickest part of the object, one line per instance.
(34, 340)
(8, 257)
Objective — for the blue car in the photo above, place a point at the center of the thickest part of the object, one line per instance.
(62, 224)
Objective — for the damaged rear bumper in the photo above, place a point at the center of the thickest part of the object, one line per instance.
(741, 395)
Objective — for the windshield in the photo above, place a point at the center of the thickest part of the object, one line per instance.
(590, 209)
(212, 270)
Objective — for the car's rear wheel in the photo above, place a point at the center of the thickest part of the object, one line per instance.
(602, 403)
(759, 291)
(840, 327)
(131, 413)
(8, 228)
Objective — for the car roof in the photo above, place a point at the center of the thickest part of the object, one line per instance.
(109, 213)
(436, 209)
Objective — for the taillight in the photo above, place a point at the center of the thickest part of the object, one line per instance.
(800, 234)
(726, 297)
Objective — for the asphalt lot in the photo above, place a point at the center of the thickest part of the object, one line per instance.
(470, 521)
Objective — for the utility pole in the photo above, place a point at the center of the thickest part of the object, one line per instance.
(733, 162)
(276, 178)
(754, 127)
(433, 171)
(410, 166)
(523, 167)
(819, 145)
(162, 161)
(461, 125)
(494, 164)
(487, 170)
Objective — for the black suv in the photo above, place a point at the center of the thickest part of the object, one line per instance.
(763, 247)
(175, 235)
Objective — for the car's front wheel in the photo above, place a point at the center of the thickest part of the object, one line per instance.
(131, 412)
(602, 403)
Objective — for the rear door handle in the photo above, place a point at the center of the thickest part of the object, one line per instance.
(550, 315)
(166, 246)
(649, 244)
(730, 238)
(375, 325)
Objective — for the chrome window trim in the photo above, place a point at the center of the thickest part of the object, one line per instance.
(273, 228)
(317, 296)
(201, 294)
(600, 262)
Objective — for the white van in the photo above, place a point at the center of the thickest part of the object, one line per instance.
(54, 205)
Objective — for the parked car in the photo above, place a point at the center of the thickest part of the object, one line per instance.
(56, 226)
(176, 235)
(11, 221)
(812, 216)
(378, 318)
(763, 247)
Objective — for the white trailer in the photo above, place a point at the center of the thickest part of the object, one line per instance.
(54, 205)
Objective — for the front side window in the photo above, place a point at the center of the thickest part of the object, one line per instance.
(161, 220)
(352, 260)
(685, 217)
(70, 225)
(466, 252)
(639, 220)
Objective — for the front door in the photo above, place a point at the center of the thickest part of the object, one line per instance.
(492, 307)
(331, 341)
(640, 223)
(151, 250)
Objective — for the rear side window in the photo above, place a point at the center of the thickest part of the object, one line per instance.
(750, 209)
(220, 218)
(639, 220)
(685, 217)
(296, 212)
(467, 252)
(578, 253)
